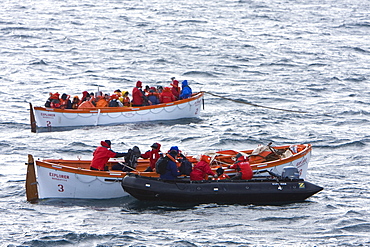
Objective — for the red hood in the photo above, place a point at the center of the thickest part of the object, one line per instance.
(104, 144)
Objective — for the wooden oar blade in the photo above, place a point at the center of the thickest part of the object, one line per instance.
(31, 182)
(32, 119)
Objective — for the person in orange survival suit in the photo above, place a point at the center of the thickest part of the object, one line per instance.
(221, 175)
(153, 156)
(102, 155)
(243, 168)
(202, 169)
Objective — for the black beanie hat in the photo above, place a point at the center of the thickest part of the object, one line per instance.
(108, 142)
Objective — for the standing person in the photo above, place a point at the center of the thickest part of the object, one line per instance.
(172, 171)
(138, 95)
(186, 91)
(175, 89)
(102, 155)
(242, 167)
(202, 169)
(153, 155)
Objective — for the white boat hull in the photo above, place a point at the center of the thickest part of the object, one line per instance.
(55, 183)
(301, 164)
(50, 117)
(73, 178)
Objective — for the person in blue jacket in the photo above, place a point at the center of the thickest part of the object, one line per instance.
(186, 91)
(171, 170)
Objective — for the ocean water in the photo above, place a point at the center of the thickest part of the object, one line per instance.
(307, 56)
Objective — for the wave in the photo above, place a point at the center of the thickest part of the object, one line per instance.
(356, 228)
(40, 62)
(199, 74)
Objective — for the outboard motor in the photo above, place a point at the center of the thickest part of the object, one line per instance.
(290, 172)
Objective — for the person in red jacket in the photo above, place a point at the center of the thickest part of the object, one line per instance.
(244, 170)
(166, 96)
(153, 155)
(202, 169)
(138, 97)
(175, 89)
(102, 155)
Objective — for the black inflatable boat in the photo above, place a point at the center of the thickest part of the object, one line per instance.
(265, 190)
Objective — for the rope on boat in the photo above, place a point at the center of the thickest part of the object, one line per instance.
(243, 102)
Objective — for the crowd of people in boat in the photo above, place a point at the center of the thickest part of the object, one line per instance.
(174, 163)
(140, 97)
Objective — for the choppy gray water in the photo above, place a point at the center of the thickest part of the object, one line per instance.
(302, 55)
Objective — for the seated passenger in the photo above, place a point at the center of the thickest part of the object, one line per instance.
(103, 101)
(202, 169)
(242, 167)
(125, 99)
(93, 99)
(153, 96)
(75, 102)
(118, 92)
(166, 96)
(186, 91)
(54, 100)
(221, 175)
(87, 103)
(65, 102)
(114, 101)
(159, 89)
(84, 94)
(48, 101)
(153, 155)
(171, 169)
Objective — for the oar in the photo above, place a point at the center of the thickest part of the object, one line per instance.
(31, 182)
(32, 119)
(133, 169)
(273, 150)
(243, 102)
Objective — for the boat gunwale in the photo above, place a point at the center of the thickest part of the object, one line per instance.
(268, 164)
(194, 97)
(61, 165)
(84, 171)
